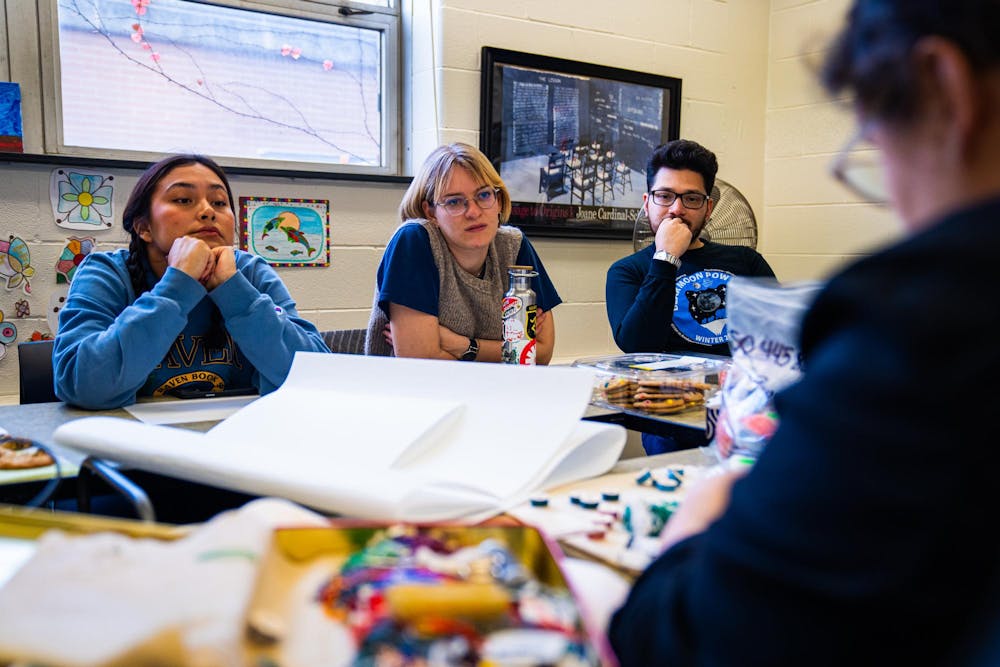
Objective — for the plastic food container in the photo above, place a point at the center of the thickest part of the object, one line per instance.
(655, 383)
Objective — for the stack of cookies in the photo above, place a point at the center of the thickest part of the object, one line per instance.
(664, 397)
(659, 397)
(618, 391)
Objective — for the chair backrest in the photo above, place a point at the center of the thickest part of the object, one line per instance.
(345, 341)
(34, 371)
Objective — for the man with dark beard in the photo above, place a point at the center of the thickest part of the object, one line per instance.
(671, 296)
(645, 316)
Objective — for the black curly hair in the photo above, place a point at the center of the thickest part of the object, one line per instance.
(683, 154)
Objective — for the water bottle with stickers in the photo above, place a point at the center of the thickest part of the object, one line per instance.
(519, 311)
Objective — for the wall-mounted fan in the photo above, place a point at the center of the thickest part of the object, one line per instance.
(732, 221)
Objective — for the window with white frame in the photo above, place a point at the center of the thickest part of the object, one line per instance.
(281, 84)
(4, 62)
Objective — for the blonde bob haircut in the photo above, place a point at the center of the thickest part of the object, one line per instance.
(436, 169)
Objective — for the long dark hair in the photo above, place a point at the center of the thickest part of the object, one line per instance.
(136, 215)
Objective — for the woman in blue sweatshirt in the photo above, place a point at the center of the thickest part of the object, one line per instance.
(180, 309)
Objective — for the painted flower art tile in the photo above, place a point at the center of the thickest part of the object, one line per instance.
(82, 199)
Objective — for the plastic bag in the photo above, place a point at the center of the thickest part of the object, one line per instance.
(764, 323)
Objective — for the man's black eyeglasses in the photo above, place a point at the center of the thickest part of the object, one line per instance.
(692, 200)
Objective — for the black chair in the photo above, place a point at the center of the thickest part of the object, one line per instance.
(34, 371)
(345, 341)
(623, 176)
(584, 181)
(552, 179)
(606, 178)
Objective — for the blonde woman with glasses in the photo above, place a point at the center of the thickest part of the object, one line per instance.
(441, 281)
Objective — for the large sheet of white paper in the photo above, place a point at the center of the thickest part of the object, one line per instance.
(188, 411)
(382, 438)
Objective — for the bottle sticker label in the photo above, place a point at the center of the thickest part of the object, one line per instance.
(511, 306)
(519, 352)
(513, 329)
(527, 356)
(532, 313)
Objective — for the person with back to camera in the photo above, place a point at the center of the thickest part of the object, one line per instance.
(441, 282)
(671, 296)
(866, 531)
(180, 309)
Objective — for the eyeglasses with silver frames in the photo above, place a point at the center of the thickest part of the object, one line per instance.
(457, 205)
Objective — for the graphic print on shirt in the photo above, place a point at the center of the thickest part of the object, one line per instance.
(195, 366)
(700, 307)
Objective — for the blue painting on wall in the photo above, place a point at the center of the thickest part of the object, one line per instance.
(10, 118)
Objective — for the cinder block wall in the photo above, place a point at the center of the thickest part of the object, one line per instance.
(745, 94)
(719, 49)
(813, 224)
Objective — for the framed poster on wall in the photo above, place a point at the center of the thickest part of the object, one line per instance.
(571, 140)
(286, 231)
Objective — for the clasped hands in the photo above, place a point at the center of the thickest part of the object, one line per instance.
(209, 266)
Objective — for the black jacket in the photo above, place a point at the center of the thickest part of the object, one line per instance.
(866, 534)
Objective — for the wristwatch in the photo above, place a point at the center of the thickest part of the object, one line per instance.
(472, 352)
(664, 256)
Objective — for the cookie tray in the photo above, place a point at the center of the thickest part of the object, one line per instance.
(655, 384)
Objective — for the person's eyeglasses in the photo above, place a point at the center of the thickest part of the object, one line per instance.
(456, 205)
(692, 200)
(859, 167)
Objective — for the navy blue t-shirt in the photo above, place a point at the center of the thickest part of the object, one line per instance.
(408, 275)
